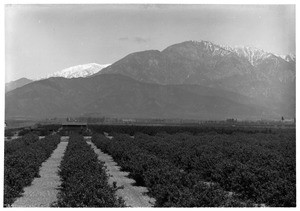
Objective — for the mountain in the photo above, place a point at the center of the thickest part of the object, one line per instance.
(84, 70)
(121, 96)
(16, 84)
(195, 80)
(266, 78)
(289, 57)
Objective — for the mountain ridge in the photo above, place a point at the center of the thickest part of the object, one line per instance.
(122, 96)
(186, 80)
(16, 84)
(257, 74)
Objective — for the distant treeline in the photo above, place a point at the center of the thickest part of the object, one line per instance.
(40, 130)
(152, 130)
(43, 130)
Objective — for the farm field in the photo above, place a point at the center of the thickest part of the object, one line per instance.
(134, 196)
(193, 167)
(172, 105)
(222, 167)
(43, 190)
(22, 160)
(53, 181)
(84, 180)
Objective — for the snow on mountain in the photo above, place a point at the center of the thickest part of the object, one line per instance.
(84, 70)
(253, 55)
(288, 58)
(212, 48)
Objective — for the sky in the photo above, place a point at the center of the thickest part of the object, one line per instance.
(42, 39)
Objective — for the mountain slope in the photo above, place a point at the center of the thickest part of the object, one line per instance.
(120, 96)
(265, 77)
(16, 84)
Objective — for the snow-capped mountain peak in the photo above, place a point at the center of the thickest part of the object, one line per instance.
(253, 55)
(84, 70)
(288, 57)
(211, 48)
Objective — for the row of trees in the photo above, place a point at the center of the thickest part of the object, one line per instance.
(40, 130)
(153, 130)
(84, 180)
(258, 168)
(19, 143)
(168, 184)
(22, 160)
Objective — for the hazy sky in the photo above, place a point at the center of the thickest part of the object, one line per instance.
(41, 39)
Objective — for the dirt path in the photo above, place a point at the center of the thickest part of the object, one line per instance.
(43, 190)
(107, 136)
(134, 196)
(11, 138)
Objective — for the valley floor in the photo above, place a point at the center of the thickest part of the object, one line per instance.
(152, 167)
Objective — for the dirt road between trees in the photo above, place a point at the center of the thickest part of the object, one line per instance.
(43, 190)
(134, 196)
